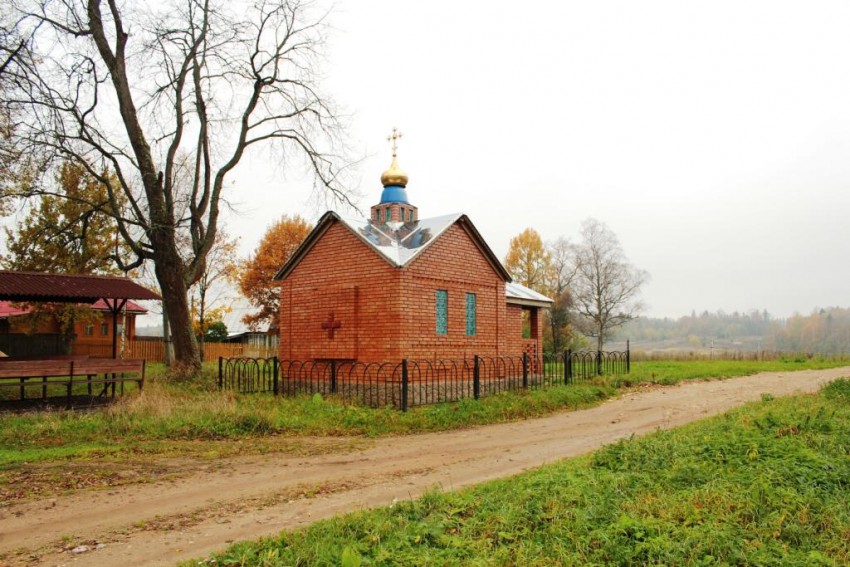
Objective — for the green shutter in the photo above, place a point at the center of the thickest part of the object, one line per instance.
(470, 314)
(442, 312)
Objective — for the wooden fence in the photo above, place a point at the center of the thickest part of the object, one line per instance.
(154, 351)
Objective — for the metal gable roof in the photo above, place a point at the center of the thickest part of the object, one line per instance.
(400, 245)
(397, 243)
(518, 294)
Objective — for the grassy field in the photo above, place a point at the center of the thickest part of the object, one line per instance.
(766, 484)
(169, 419)
(671, 372)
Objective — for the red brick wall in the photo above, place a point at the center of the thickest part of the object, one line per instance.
(398, 212)
(455, 264)
(513, 339)
(387, 313)
(342, 275)
(515, 343)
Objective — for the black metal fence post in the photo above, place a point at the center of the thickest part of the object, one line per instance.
(404, 385)
(476, 379)
(451, 378)
(525, 370)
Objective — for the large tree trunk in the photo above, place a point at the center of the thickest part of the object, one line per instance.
(168, 352)
(169, 274)
(201, 315)
(169, 198)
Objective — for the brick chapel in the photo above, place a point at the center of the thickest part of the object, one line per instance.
(396, 286)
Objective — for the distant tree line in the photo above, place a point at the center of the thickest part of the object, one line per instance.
(704, 326)
(823, 331)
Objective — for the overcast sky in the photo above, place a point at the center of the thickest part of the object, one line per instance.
(712, 137)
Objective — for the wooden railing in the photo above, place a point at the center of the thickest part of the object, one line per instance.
(66, 373)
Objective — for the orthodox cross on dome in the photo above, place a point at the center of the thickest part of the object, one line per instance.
(331, 325)
(393, 139)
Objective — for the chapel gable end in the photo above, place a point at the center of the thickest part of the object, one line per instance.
(456, 255)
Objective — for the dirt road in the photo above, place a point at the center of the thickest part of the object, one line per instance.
(165, 522)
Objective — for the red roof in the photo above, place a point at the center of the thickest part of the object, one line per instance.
(7, 309)
(132, 306)
(39, 286)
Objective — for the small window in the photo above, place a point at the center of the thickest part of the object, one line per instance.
(409, 216)
(89, 330)
(389, 214)
(470, 314)
(442, 312)
(104, 329)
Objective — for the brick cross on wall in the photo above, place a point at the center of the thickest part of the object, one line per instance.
(331, 325)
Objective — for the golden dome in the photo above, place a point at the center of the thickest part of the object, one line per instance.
(394, 175)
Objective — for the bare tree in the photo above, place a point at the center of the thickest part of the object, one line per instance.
(606, 286)
(221, 268)
(16, 167)
(562, 272)
(135, 88)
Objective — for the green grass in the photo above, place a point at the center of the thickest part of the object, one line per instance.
(170, 419)
(671, 372)
(167, 415)
(766, 484)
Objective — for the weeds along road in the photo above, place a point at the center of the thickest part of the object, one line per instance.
(164, 522)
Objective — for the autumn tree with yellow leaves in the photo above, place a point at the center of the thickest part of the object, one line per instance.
(529, 262)
(256, 277)
(69, 230)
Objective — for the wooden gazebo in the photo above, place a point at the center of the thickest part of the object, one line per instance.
(29, 287)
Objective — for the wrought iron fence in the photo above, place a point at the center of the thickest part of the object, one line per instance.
(248, 375)
(416, 382)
